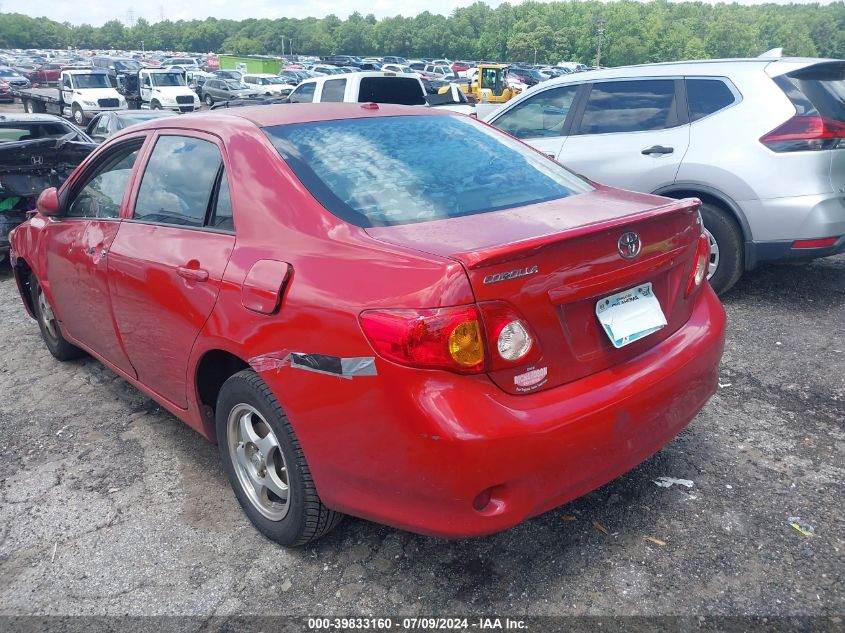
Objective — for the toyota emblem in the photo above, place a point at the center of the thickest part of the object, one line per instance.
(629, 245)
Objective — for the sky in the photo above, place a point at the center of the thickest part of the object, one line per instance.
(96, 12)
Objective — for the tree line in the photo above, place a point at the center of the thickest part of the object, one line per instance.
(631, 32)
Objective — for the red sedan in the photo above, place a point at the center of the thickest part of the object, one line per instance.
(385, 311)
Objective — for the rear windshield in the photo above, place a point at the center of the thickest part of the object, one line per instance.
(401, 90)
(817, 90)
(383, 171)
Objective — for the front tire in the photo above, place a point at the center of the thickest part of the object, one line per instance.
(49, 325)
(209, 101)
(78, 116)
(265, 464)
(155, 105)
(726, 247)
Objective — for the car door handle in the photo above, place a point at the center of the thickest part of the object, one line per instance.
(192, 274)
(658, 149)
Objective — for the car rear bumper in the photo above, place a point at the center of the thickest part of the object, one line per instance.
(415, 449)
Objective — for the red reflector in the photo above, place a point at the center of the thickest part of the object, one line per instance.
(369, 106)
(823, 242)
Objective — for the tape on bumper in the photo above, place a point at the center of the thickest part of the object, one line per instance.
(318, 363)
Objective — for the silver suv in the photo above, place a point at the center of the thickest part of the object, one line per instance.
(760, 141)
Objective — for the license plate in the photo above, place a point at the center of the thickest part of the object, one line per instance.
(630, 315)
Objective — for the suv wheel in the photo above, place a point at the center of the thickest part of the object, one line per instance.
(726, 255)
(209, 101)
(49, 325)
(265, 464)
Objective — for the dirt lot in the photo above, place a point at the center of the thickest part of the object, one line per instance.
(108, 505)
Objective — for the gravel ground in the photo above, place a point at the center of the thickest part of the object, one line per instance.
(109, 505)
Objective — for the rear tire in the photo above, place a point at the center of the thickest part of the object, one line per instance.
(262, 456)
(51, 333)
(28, 107)
(726, 257)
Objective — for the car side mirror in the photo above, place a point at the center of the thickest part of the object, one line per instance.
(48, 203)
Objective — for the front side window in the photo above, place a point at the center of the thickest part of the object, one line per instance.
(706, 96)
(540, 116)
(102, 194)
(333, 90)
(396, 170)
(303, 94)
(178, 181)
(630, 106)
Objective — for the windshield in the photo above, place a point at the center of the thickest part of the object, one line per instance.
(8, 72)
(382, 171)
(167, 79)
(95, 80)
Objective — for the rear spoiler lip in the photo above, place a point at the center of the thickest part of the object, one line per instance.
(507, 252)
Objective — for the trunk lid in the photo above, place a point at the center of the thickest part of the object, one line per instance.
(554, 261)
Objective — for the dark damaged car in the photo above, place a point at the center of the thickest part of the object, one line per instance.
(37, 151)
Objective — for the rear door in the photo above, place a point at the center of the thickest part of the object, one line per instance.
(167, 261)
(630, 133)
(543, 119)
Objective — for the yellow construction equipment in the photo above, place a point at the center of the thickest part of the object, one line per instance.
(490, 85)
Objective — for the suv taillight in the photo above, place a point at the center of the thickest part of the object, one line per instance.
(806, 133)
(464, 339)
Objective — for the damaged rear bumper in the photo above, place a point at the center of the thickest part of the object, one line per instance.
(455, 456)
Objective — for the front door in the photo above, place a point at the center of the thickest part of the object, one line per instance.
(167, 262)
(146, 88)
(541, 120)
(78, 247)
(67, 88)
(633, 134)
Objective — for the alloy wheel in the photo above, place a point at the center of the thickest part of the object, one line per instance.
(45, 314)
(714, 254)
(258, 461)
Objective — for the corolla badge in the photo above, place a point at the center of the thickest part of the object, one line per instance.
(511, 274)
(629, 245)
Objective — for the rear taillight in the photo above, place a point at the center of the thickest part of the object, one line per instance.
(699, 268)
(806, 133)
(465, 339)
(442, 338)
(510, 338)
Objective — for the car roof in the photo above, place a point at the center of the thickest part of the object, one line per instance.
(285, 114)
(22, 117)
(699, 66)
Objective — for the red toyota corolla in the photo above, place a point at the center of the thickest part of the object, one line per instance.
(383, 311)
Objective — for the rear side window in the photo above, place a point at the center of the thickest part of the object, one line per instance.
(630, 106)
(178, 181)
(333, 90)
(303, 94)
(401, 90)
(818, 90)
(540, 116)
(397, 170)
(706, 96)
